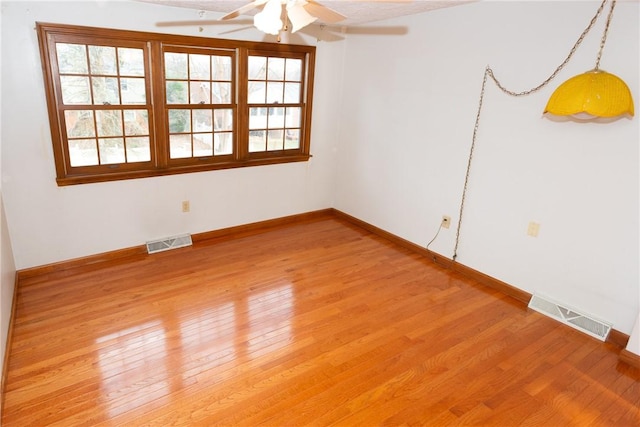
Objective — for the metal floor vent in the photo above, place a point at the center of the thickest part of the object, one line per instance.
(167, 243)
(568, 316)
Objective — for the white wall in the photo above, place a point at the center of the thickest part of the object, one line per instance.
(50, 223)
(7, 284)
(7, 274)
(409, 107)
(634, 340)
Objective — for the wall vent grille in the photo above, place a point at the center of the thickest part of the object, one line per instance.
(167, 243)
(580, 321)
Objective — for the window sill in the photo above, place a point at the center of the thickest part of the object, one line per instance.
(115, 176)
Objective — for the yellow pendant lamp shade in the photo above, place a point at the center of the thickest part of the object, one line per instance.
(591, 95)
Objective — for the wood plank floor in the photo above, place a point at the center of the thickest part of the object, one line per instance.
(316, 323)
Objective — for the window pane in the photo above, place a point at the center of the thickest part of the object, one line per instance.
(199, 67)
(276, 69)
(133, 91)
(223, 143)
(111, 150)
(202, 144)
(223, 120)
(179, 121)
(257, 118)
(275, 141)
(131, 61)
(202, 121)
(275, 93)
(138, 150)
(292, 93)
(175, 65)
(83, 152)
(292, 119)
(257, 140)
(136, 122)
(294, 70)
(292, 138)
(102, 60)
(79, 123)
(221, 93)
(276, 118)
(105, 90)
(75, 90)
(176, 92)
(257, 68)
(109, 122)
(221, 67)
(72, 58)
(257, 92)
(200, 92)
(180, 146)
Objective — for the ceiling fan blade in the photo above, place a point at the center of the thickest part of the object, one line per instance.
(235, 30)
(323, 13)
(320, 32)
(202, 22)
(380, 31)
(244, 9)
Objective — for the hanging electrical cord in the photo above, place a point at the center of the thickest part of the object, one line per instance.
(434, 237)
(488, 72)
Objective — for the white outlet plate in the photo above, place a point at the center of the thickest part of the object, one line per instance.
(446, 221)
(186, 206)
(533, 229)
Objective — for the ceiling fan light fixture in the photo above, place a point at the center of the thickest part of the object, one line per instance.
(298, 15)
(592, 95)
(268, 20)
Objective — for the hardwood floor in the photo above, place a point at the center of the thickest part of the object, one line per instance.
(316, 323)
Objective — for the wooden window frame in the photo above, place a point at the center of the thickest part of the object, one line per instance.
(155, 44)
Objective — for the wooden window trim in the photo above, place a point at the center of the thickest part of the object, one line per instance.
(155, 44)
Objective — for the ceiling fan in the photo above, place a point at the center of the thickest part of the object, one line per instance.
(274, 16)
(299, 12)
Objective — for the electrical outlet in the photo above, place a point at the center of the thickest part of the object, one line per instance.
(185, 206)
(446, 221)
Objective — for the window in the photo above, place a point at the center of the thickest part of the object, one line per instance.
(199, 101)
(274, 81)
(104, 108)
(125, 104)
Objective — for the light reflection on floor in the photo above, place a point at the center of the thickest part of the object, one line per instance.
(270, 316)
(135, 362)
(131, 363)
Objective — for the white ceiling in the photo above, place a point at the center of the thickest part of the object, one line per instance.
(357, 12)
